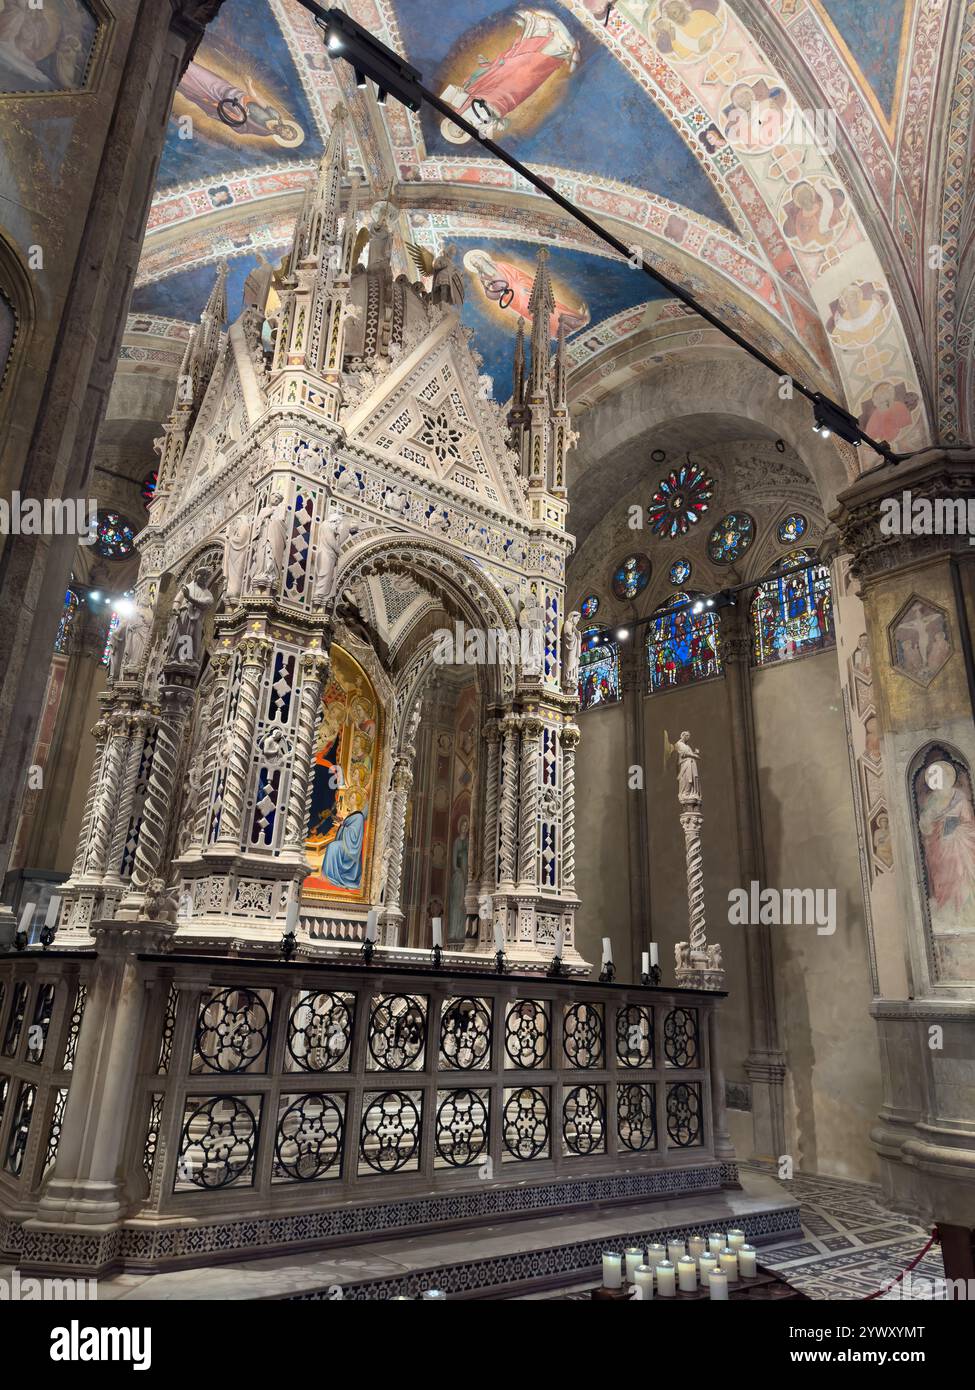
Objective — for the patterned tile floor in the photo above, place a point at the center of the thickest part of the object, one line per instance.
(852, 1243)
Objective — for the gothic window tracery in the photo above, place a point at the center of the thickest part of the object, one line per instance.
(599, 669)
(682, 646)
(793, 613)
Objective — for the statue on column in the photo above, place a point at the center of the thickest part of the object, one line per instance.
(448, 282)
(137, 631)
(235, 558)
(531, 621)
(116, 650)
(334, 532)
(571, 649)
(184, 634)
(270, 540)
(697, 965)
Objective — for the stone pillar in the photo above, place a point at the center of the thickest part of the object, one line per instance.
(508, 803)
(489, 832)
(571, 734)
(633, 674)
(401, 787)
(255, 652)
(314, 671)
(723, 1147)
(531, 732)
(765, 1064)
(221, 663)
(139, 722)
(914, 565)
(104, 811)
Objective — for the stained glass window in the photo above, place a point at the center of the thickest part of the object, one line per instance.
(632, 576)
(681, 500)
(589, 606)
(793, 613)
(599, 669)
(731, 537)
(680, 571)
(69, 616)
(682, 646)
(149, 483)
(792, 529)
(115, 536)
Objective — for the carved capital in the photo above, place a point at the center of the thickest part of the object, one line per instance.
(570, 736)
(255, 650)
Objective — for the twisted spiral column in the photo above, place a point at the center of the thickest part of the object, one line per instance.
(508, 810)
(489, 836)
(691, 822)
(314, 670)
(570, 741)
(104, 810)
(138, 723)
(531, 732)
(255, 652)
(158, 807)
(100, 732)
(402, 783)
(211, 751)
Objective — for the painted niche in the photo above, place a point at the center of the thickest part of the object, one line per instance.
(944, 814)
(341, 822)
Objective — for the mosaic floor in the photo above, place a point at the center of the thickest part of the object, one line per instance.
(852, 1243)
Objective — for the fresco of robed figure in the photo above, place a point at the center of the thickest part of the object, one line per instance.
(341, 820)
(45, 48)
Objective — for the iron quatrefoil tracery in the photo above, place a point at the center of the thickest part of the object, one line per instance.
(397, 1029)
(465, 1034)
(232, 1031)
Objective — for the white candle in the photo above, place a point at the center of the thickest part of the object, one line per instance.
(612, 1270)
(687, 1274)
(748, 1262)
(559, 940)
(675, 1250)
(498, 936)
(709, 1264)
(438, 931)
(643, 1279)
(655, 1254)
(53, 908)
(26, 917)
(716, 1242)
(634, 1259)
(645, 963)
(729, 1265)
(654, 953)
(696, 1245)
(719, 1287)
(666, 1279)
(736, 1239)
(607, 950)
(372, 924)
(292, 919)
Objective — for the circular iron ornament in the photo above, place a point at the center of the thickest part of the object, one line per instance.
(309, 1138)
(225, 106)
(636, 1117)
(525, 1128)
(582, 1035)
(680, 572)
(680, 1038)
(632, 576)
(396, 1031)
(657, 455)
(390, 1131)
(681, 499)
(584, 1120)
(731, 537)
(792, 529)
(462, 1127)
(684, 1113)
(232, 1030)
(589, 606)
(218, 1142)
(634, 1036)
(465, 1034)
(527, 1035)
(320, 1031)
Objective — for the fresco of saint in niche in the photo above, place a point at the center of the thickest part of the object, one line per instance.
(45, 48)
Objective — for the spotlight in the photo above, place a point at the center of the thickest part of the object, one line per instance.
(698, 607)
(368, 56)
(831, 418)
(95, 595)
(333, 41)
(360, 79)
(710, 603)
(622, 633)
(125, 608)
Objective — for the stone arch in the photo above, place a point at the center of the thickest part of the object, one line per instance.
(465, 590)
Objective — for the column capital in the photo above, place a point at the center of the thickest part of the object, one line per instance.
(570, 736)
(315, 664)
(255, 650)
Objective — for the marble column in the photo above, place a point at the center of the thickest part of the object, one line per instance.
(314, 671)
(221, 664)
(508, 803)
(570, 741)
(104, 811)
(139, 723)
(531, 732)
(401, 787)
(255, 653)
(765, 1064)
(489, 833)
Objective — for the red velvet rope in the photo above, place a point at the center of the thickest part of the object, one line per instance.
(906, 1270)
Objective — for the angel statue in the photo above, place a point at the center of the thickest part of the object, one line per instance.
(688, 779)
(448, 282)
(270, 540)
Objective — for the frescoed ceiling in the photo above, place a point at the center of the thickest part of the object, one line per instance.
(688, 127)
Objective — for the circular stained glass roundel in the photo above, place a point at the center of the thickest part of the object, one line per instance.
(792, 529)
(115, 536)
(681, 500)
(731, 537)
(632, 576)
(680, 571)
(589, 606)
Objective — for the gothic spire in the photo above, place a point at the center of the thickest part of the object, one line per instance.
(541, 306)
(518, 382)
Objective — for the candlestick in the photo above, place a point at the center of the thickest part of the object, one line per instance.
(666, 1279)
(748, 1262)
(53, 908)
(655, 1254)
(26, 917)
(719, 1287)
(559, 940)
(654, 953)
(645, 963)
(643, 1280)
(438, 931)
(687, 1274)
(634, 1259)
(729, 1265)
(607, 950)
(612, 1270)
(696, 1246)
(716, 1242)
(736, 1239)
(499, 936)
(709, 1264)
(372, 925)
(292, 918)
(675, 1251)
